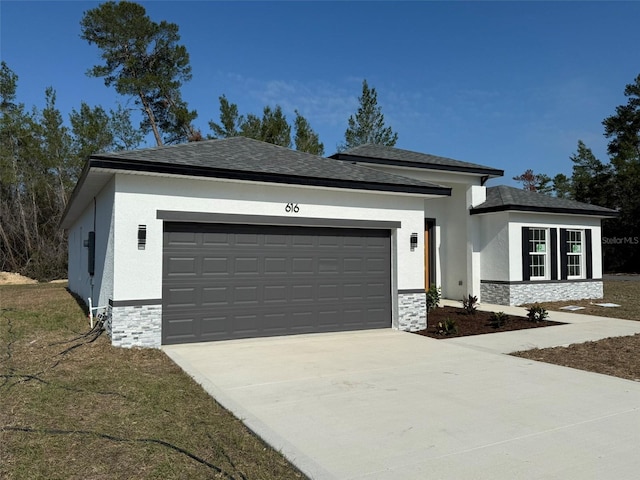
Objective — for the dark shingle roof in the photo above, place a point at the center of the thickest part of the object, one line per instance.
(381, 154)
(502, 198)
(247, 159)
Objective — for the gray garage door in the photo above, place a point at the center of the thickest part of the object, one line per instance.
(236, 281)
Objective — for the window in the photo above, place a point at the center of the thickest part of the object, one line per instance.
(538, 253)
(574, 254)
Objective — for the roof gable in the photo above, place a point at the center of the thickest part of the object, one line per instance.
(503, 198)
(382, 154)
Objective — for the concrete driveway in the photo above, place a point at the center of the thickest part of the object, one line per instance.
(391, 405)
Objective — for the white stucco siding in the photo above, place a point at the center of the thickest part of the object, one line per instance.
(494, 246)
(138, 273)
(452, 241)
(517, 220)
(97, 217)
(440, 177)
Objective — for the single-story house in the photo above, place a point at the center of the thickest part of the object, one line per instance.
(237, 238)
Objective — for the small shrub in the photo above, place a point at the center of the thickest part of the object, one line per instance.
(537, 313)
(449, 327)
(433, 298)
(470, 304)
(499, 319)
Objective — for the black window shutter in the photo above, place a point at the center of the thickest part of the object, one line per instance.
(564, 260)
(553, 248)
(588, 253)
(526, 258)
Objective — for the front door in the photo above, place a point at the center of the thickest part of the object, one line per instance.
(429, 253)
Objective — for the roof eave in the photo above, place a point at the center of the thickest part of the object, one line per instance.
(74, 194)
(528, 209)
(491, 172)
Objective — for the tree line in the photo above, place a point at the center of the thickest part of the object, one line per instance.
(613, 184)
(41, 155)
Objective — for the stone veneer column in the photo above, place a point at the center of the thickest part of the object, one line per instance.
(412, 310)
(135, 325)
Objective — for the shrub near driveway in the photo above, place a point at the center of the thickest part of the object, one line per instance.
(98, 411)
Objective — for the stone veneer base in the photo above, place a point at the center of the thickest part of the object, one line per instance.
(135, 326)
(412, 311)
(520, 293)
(141, 325)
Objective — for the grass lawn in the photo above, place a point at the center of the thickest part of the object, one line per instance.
(71, 407)
(624, 293)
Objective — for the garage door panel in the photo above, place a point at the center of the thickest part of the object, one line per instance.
(182, 266)
(329, 241)
(216, 239)
(275, 240)
(215, 266)
(275, 266)
(236, 281)
(179, 298)
(246, 240)
(376, 266)
(245, 295)
(353, 265)
(355, 291)
(216, 296)
(328, 291)
(302, 293)
(301, 241)
(182, 238)
(183, 327)
(246, 266)
(246, 324)
(275, 294)
(301, 265)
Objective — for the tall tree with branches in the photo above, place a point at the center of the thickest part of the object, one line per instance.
(143, 60)
(623, 130)
(367, 125)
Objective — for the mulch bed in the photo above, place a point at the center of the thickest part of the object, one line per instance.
(475, 324)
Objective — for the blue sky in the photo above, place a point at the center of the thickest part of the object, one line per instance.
(512, 85)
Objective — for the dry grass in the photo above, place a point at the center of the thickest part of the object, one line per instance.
(612, 356)
(624, 293)
(96, 411)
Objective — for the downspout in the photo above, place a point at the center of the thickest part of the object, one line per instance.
(94, 232)
(484, 180)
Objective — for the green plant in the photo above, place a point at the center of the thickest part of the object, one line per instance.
(537, 313)
(470, 304)
(448, 327)
(499, 319)
(433, 297)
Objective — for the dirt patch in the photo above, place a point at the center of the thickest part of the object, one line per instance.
(477, 324)
(612, 356)
(9, 278)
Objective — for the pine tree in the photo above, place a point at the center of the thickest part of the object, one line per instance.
(306, 139)
(143, 60)
(367, 126)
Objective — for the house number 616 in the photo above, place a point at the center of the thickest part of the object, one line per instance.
(292, 207)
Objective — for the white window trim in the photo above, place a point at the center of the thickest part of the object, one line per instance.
(546, 255)
(580, 255)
